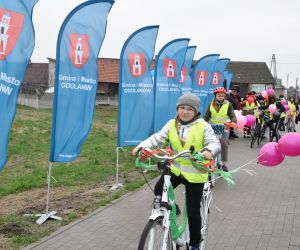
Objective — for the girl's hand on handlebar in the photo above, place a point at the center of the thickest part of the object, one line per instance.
(135, 151)
(207, 155)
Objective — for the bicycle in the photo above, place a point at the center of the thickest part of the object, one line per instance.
(161, 231)
(259, 131)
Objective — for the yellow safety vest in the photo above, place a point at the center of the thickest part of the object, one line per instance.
(292, 106)
(221, 116)
(249, 106)
(183, 166)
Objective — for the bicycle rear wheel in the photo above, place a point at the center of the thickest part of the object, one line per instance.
(153, 236)
(255, 135)
(261, 135)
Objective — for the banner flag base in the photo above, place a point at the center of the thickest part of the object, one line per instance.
(47, 215)
(115, 186)
(44, 217)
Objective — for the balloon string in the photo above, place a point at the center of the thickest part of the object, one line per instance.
(250, 172)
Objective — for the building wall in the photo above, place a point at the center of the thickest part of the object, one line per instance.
(51, 75)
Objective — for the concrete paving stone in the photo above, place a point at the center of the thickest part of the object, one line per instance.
(271, 248)
(283, 248)
(274, 241)
(294, 248)
(243, 241)
(264, 241)
(253, 242)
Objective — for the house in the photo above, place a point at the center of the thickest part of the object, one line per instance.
(36, 78)
(108, 75)
(250, 76)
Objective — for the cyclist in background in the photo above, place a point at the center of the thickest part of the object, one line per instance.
(248, 108)
(283, 115)
(292, 111)
(272, 120)
(234, 98)
(186, 130)
(219, 112)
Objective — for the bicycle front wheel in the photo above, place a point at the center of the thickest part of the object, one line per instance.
(204, 212)
(152, 237)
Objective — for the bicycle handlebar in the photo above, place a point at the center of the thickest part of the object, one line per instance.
(148, 152)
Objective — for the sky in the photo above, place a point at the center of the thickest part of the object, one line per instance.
(242, 30)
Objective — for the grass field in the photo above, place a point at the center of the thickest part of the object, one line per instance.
(77, 188)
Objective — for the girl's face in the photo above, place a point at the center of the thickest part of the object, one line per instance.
(186, 113)
(220, 97)
(292, 99)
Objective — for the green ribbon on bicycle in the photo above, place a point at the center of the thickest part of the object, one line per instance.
(176, 231)
(199, 162)
(144, 166)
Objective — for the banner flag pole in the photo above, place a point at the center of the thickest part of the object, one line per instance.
(52, 214)
(117, 184)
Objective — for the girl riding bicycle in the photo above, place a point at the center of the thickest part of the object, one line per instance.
(221, 111)
(187, 130)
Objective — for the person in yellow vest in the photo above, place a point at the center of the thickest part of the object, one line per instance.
(187, 129)
(248, 108)
(219, 112)
(292, 113)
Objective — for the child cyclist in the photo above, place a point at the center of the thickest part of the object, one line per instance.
(292, 113)
(219, 112)
(186, 130)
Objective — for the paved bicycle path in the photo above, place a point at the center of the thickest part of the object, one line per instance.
(258, 212)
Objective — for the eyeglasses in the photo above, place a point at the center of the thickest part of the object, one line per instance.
(187, 109)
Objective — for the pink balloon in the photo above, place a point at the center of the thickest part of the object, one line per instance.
(270, 155)
(270, 91)
(237, 112)
(264, 93)
(272, 108)
(286, 107)
(298, 96)
(241, 121)
(283, 102)
(289, 144)
(251, 120)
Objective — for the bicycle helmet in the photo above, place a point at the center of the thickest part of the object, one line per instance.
(219, 90)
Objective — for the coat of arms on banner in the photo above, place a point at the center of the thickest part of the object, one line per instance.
(201, 78)
(79, 50)
(216, 78)
(10, 28)
(137, 64)
(183, 74)
(170, 68)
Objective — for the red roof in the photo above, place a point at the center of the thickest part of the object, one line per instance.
(108, 70)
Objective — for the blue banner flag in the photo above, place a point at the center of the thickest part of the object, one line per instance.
(136, 96)
(76, 77)
(201, 78)
(16, 46)
(185, 77)
(167, 75)
(217, 78)
(227, 76)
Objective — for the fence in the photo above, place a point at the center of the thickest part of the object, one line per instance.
(46, 100)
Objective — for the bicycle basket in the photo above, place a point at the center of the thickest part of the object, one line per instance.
(218, 128)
